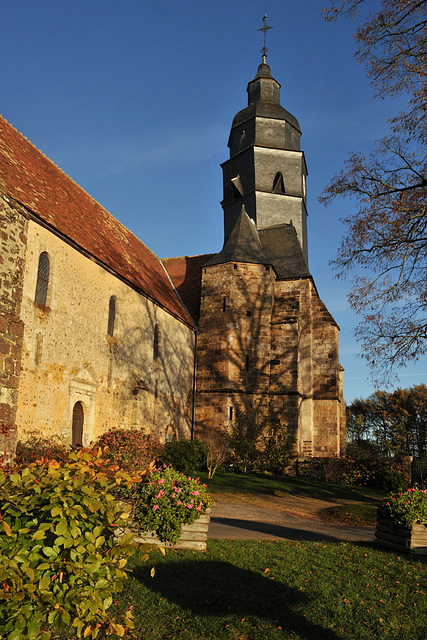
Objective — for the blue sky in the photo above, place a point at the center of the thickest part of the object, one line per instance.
(134, 100)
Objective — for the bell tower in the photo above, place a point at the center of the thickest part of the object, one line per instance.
(266, 171)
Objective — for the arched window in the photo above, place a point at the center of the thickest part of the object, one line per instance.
(42, 279)
(111, 316)
(156, 342)
(77, 428)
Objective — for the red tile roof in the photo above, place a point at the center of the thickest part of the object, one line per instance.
(40, 186)
(186, 274)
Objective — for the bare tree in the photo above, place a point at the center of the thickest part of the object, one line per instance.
(387, 231)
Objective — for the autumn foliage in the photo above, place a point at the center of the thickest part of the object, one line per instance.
(394, 422)
(60, 561)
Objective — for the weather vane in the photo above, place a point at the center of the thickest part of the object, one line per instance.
(264, 28)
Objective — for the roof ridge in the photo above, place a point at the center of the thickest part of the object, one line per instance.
(197, 255)
(76, 184)
(45, 156)
(32, 179)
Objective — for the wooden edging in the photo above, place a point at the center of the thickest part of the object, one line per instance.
(194, 536)
(399, 538)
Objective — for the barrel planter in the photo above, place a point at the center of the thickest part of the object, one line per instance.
(399, 538)
(194, 536)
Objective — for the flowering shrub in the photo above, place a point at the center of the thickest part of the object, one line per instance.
(187, 456)
(408, 506)
(168, 499)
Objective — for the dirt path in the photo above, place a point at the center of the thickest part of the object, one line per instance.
(251, 518)
(286, 504)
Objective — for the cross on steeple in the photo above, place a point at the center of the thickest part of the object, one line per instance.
(264, 28)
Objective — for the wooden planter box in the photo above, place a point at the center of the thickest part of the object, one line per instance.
(393, 536)
(194, 536)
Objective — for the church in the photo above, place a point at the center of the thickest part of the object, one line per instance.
(97, 332)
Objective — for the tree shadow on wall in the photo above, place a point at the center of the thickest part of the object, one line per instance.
(221, 590)
(157, 367)
(249, 352)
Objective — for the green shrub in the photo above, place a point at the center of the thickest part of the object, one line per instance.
(167, 500)
(130, 449)
(187, 456)
(60, 562)
(37, 447)
(256, 444)
(275, 452)
(408, 506)
(324, 469)
(364, 467)
(244, 440)
(361, 466)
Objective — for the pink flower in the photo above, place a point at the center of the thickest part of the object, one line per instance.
(155, 507)
(199, 508)
(161, 481)
(195, 493)
(160, 494)
(189, 506)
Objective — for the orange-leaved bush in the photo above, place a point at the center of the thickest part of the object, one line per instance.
(130, 449)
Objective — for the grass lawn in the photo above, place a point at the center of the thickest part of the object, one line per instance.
(253, 484)
(268, 590)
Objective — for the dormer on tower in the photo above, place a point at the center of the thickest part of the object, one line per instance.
(266, 172)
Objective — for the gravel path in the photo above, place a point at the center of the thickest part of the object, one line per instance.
(252, 522)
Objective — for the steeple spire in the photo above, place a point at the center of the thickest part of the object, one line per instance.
(264, 28)
(266, 170)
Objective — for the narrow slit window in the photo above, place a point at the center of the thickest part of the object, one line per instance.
(279, 183)
(156, 342)
(224, 304)
(247, 363)
(236, 185)
(111, 316)
(42, 279)
(231, 413)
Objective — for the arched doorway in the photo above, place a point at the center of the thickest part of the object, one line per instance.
(78, 420)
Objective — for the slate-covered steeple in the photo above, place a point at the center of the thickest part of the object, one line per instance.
(242, 245)
(266, 171)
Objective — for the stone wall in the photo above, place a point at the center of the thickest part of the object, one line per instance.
(271, 348)
(13, 238)
(329, 414)
(127, 379)
(234, 346)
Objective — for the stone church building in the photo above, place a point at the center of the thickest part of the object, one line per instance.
(97, 332)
